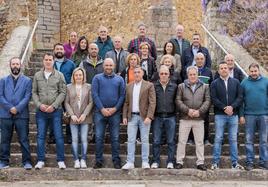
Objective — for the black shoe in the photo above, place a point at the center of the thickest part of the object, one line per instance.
(117, 165)
(98, 165)
(179, 166)
(263, 166)
(51, 140)
(249, 167)
(202, 167)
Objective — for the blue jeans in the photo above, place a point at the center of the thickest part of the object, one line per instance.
(168, 125)
(83, 128)
(22, 128)
(251, 122)
(100, 127)
(221, 121)
(42, 119)
(132, 128)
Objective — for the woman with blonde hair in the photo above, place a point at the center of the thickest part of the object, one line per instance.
(132, 61)
(169, 61)
(78, 104)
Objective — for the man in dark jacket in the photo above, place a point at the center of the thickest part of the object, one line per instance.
(226, 95)
(179, 42)
(165, 117)
(187, 58)
(234, 72)
(104, 42)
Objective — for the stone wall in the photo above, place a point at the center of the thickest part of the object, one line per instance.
(48, 30)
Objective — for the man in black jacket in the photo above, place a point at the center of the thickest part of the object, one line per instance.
(187, 58)
(234, 72)
(226, 95)
(165, 117)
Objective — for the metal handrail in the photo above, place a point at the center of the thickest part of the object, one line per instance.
(224, 50)
(29, 42)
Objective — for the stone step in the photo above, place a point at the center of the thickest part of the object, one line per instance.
(123, 137)
(189, 161)
(80, 177)
(190, 149)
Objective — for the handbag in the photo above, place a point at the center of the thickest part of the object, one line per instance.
(66, 118)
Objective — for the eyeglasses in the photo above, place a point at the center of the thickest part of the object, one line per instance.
(163, 73)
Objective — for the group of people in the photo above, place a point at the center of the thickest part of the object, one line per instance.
(100, 83)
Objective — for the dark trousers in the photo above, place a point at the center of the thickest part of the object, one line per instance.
(21, 126)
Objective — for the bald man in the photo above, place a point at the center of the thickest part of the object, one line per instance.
(104, 41)
(118, 54)
(93, 64)
(180, 43)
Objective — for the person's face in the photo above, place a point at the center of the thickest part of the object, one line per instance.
(83, 44)
(196, 40)
(200, 61)
(78, 77)
(169, 48)
(108, 67)
(133, 61)
(164, 75)
(254, 72)
(230, 62)
(138, 74)
(167, 62)
(117, 43)
(73, 37)
(179, 31)
(93, 50)
(103, 33)
(59, 51)
(144, 50)
(192, 76)
(223, 70)
(15, 66)
(142, 31)
(48, 62)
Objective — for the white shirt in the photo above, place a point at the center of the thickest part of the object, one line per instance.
(78, 94)
(136, 97)
(47, 74)
(231, 74)
(144, 66)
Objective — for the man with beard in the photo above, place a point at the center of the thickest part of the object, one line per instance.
(15, 94)
(66, 67)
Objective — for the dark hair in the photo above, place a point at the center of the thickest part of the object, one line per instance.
(78, 48)
(254, 65)
(222, 62)
(60, 44)
(13, 59)
(173, 48)
(196, 34)
(48, 54)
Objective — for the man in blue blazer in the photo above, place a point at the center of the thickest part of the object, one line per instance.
(15, 94)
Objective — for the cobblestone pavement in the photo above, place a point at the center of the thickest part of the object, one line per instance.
(123, 183)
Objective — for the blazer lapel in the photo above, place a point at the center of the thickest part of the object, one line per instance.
(141, 90)
(19, 82)
(131, 86)
(10, 83)
(83, 94)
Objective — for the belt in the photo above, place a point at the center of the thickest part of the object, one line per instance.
(135, 113)
(165, 115)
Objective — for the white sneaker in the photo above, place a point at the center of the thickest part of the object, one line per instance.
(76, 164)
(61, 165)
(145, 165)
(155, 165)
(128, 166)
(39, 165)
(170, 165)
(83, 164)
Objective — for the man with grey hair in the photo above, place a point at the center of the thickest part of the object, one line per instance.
(193, 101)
(179, 42)
(118, 54)
(108, 93)
(93, 63)
(234, 72)
(104, 41)
(134, 44)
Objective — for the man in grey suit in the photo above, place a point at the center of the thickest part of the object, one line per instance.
(118, 54)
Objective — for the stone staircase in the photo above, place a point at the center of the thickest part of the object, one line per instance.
(108, 172)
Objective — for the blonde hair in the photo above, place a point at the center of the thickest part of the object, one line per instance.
(167, 56)
(131, 55)
(83, 72)
(145, 44)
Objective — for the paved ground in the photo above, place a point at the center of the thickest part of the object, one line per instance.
(123, 183)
